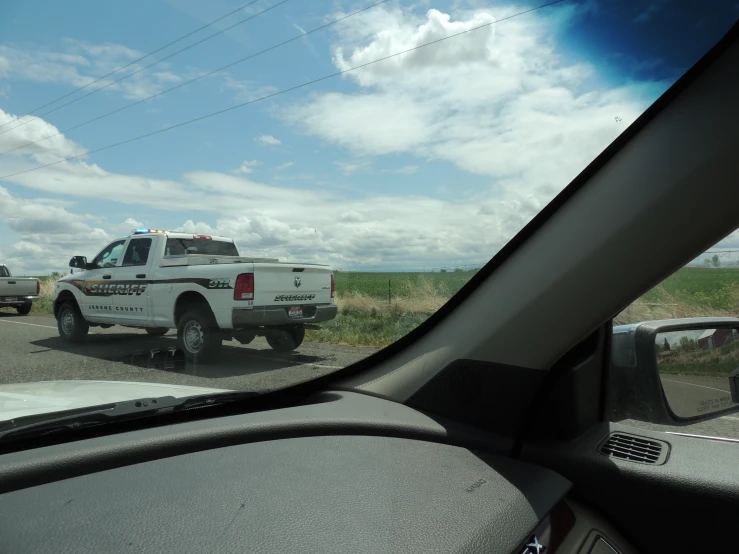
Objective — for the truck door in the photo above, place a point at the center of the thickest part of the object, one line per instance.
(97, 295)
(131, 300)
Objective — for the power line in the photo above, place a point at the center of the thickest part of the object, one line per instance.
(195, 79)
(131, 63)
(280, 92)
(147, 66)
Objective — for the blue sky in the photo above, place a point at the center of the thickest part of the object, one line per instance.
(432, 158)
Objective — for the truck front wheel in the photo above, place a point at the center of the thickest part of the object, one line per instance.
(199, 336)
(72, 326)
(286, 339)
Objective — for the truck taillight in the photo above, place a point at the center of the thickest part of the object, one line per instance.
(244, 289)
(333, 286)
(38, 287)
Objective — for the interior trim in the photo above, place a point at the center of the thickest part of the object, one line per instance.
(706, 437)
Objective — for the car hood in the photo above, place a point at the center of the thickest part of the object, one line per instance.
(25, 399)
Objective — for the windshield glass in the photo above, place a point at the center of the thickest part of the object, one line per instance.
(4, 272)
(363, 159)
(182, 247)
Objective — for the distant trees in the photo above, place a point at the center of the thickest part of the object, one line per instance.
(715, 261)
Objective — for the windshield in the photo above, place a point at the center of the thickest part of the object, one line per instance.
(4, 272)
(244, 198)
(182, 247)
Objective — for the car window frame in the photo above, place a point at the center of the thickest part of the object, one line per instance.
(128, 246)
(110, 246)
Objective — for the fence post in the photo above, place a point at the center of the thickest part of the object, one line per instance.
(389, 294)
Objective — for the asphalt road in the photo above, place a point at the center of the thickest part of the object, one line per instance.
(30, 350)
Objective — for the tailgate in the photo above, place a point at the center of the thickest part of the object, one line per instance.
(291, 284)
(18, 286)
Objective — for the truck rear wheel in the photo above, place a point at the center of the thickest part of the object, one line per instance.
(72, 326)
(25, 309)
(245, 336)
(286, 339)
(199, 336)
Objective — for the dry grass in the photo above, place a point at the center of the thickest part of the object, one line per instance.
(44, 305)
(423, 297)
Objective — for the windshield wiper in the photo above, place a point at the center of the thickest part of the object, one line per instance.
(72, 420)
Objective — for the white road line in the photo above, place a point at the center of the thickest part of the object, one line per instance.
(694, 385)
(31, 324)
(295, 362)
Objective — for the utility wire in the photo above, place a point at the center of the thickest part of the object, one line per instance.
(147, 66)
(195, 79)
(131, 63)
(280, 92)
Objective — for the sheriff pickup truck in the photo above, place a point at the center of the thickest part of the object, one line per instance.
(159, 280)
(17, 292)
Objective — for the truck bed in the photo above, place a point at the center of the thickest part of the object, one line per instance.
(18, 286)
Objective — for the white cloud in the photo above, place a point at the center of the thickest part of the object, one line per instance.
(268, 140)
(83, 62)
(407, 170)
(46, 151)
(49, 233)
(247, 91)
(353, 166)
(498, 102)
(650, 11)
(284, 166)
(386, 230)
(247, 167)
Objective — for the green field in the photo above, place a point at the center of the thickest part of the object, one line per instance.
(714, 288)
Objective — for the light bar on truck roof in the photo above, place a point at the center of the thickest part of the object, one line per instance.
(146, 231)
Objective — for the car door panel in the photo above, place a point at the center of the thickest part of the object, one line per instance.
(97, 291)
(131, 302)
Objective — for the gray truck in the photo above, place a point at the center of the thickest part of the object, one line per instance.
(17, 292)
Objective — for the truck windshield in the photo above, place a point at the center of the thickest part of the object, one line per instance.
(4, 272)
(182, 247)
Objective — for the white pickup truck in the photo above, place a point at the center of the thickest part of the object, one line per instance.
(17, 292)
(197, 284)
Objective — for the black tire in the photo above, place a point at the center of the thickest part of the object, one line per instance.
(72, 326)
(157, 331)
(286, 339)
(25, 309)
(198, 336)
(245, 336)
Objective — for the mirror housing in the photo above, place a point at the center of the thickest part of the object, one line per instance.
(635, 386)
(79, 262)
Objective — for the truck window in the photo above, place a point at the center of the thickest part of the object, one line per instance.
(109, 256)
(137, 252)
(4, 272)
(182, 247)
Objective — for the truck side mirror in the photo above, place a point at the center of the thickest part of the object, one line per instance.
(675, 371)
(79, 262)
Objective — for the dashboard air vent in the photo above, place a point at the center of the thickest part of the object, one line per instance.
(635, 449)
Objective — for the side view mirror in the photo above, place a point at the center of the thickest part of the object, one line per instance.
(79, 262)
(675, 371)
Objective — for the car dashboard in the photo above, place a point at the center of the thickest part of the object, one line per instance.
(343, 472)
